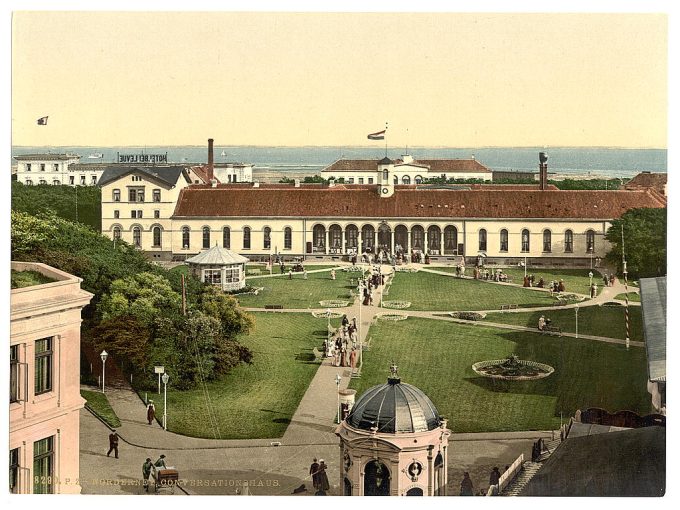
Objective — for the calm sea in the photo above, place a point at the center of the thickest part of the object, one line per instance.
(297, 161)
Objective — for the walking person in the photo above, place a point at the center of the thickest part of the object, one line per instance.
(466, 488)
(314, 472)
(290, 274)
(146, 472)
(113, 443)
(150, 412)
(304, 274)
(495, 476)
(323, 479)
(332, 274)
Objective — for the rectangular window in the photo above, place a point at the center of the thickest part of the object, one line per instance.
(116, 214)
(370, 180)
(361, 180)
(14, 471)
(56, 167)
(43, 365)
(232, 275)
(116, 193)
(71, 180)
(82, 180)
(43, 466)
(94, 179)
(28, 167)
(140, 195)
(133, 214)
(350, 180)
(139, 215)
(156, 214)
(132, 195)
(42, 167)
(212, 276)
(156, 195)
(14, 373)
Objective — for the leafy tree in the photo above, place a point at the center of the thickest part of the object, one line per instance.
(124, 337)
(224, 308)
(645, 242)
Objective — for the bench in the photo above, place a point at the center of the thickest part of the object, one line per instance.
(509, 307)
(317, 354)
(552, 330)
(273, 307)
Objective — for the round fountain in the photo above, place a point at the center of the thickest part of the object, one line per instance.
(512, 369)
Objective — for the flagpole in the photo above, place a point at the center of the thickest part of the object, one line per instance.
(385, 138)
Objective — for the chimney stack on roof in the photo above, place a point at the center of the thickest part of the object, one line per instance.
(211, 172)
(297, 183)
(331, 182)
(543, 170)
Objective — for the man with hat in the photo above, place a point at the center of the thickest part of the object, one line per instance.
(146, 472)
(113, 443)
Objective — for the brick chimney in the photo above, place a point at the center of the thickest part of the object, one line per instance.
(211, 173)
(543, 170)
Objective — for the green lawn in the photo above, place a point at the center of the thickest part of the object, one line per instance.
(608, 321)
(99, 405)
(436, 356)
(632, 297)
(298, 292)
(575, 280)
(258, 400)
(277, 270)
(427, 291)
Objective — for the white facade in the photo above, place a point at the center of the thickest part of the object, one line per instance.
(53, 169)
(233, 172)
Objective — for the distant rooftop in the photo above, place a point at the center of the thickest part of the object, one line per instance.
(45, 157)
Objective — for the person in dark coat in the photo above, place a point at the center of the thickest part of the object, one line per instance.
(314, 472)
(495, 476)
(160, 463)
(150, 412)
(113, 443)
(323, 479)
(466, 485)
(146, 472)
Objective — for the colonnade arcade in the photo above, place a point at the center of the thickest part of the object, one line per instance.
(370, 238)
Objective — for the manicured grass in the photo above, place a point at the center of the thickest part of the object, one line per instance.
(575, 280)
(607, 321)
(427, 291)
(437, 356)
(632, 297)
(277, 269)
(298, 292)
(99, 405)
(20, 279)
(257, 400)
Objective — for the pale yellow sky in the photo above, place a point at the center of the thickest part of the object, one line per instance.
(458, 80)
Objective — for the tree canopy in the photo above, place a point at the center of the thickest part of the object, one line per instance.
(644, 237)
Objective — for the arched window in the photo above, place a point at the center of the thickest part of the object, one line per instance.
(226, 238)
(287, 238)
(319, 237)
(56, 182)
(267, 242)
(450, 240)
(568, 241)
(137, 237)
(29, 182)
(396, 180)
(547, 241)
(376, 479)
(335, 238)
(417, 237)
(157, 237)
(418, 179)
(590, 241)
(185, 238)
(351, 236)
(406, 180)
(482, 239)
(116, 233)
(504, 240)
(525, 240)
(368, 237)
(433, 239)
(246, 238)
(206, 237)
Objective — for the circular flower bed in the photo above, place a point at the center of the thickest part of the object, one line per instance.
(397, 305)
(357, 269)
(326, 314)
(468, 316)
(334, 303)
(394, 317)
(512, 369)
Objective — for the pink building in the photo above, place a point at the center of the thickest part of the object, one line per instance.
(44, 397)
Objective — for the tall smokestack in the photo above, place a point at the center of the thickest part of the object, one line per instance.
(543, 170)
(210, 159)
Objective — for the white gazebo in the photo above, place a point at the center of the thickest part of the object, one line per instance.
(219, 266)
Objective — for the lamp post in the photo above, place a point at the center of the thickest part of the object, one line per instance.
(590, 275)
(525, 266)
(165, 378)
(576, 308)
(361, 342)
(103, 356)
(337, 383)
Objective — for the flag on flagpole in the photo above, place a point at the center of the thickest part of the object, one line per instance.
(42, 121)
(380, 135)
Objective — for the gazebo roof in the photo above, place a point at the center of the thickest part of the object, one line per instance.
(217, 256)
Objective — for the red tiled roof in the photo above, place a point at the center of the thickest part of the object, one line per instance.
(648, 180)
(407, 202)
(202, 173)
(434, 165)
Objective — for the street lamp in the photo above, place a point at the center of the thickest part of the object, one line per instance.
(361, 342)
(165, 378)
(590, 275)
(337, 383)
(576, 308)
(103, 356)
(590, 249)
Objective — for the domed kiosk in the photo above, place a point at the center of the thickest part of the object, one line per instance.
(393, 443)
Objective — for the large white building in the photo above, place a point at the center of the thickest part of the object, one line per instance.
(55, 169)
(504, 223)
(406, 170)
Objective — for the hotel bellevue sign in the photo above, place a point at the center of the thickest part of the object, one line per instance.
(142, 158)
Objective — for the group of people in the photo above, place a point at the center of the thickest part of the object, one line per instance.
(149, 467)
(482, 273)
(319, 477)
(370, 282)
(343, 345)
(543, 322)
(609, 280)
(467, 488)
